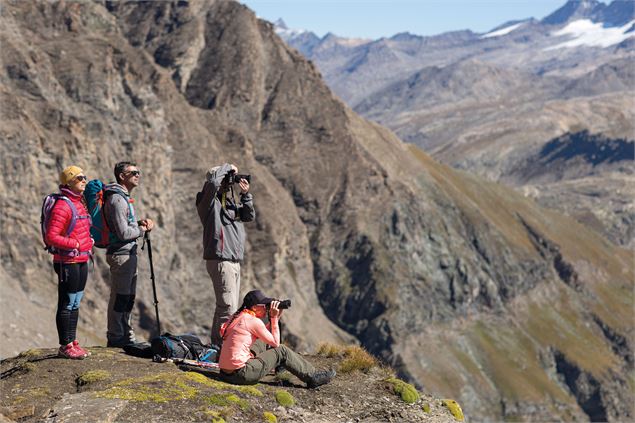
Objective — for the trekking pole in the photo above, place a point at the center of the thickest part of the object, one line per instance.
(154, 287)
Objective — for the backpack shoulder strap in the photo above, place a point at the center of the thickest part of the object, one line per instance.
(71, 225)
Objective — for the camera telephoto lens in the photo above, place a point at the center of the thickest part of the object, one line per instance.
(284, 304)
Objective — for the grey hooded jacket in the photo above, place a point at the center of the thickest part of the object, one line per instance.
(121, 220)
(223, 231)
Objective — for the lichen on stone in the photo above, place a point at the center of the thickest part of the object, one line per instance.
(426, 407)
(204, 380)
(270, 417)
(162, 387)
(454, 408)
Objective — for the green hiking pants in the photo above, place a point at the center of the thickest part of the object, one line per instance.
(267, 359)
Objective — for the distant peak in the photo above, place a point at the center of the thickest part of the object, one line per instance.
(574, 9)
(280, 23)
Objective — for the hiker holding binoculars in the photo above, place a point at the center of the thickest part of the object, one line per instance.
(224, 237)
(244, 356)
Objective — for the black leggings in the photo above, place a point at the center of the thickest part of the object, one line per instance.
(70, 290)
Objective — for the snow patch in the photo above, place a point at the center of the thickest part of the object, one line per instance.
(289, 33)
(502, 31)
(587, 33)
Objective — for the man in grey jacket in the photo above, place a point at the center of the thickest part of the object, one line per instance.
(121, 254)
(224, 239)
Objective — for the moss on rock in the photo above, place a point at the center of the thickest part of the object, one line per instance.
(454, 408)
(406, 391)
(426, 407)
(162, 387)
(92, 376)
(204, 380)
(32, 353)
(269, 417)
(284, 398)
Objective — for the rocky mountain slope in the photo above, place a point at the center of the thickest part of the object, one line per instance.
(489, 102)
(467, 288)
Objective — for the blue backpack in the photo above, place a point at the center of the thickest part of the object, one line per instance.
(95, 196)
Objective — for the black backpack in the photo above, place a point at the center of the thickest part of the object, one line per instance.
(178, 346)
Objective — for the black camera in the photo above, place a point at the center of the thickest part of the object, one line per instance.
(284, 304)
(234, 178)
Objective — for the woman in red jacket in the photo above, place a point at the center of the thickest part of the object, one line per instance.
(70, 260)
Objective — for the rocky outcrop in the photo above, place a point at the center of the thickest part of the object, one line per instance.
(432, 269)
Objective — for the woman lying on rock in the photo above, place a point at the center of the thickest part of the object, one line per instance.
(245, 358)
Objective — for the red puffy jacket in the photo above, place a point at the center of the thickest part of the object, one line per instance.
(79, 239)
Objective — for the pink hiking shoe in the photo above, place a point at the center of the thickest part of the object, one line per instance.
(76, 346)
(68, 351)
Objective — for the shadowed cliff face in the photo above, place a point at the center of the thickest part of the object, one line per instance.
(449, 278)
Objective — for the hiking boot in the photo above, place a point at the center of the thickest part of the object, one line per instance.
(120, 344)
(84, 352)
(67, 351)
(320, 378)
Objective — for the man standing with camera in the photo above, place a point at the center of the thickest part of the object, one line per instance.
(224, 237)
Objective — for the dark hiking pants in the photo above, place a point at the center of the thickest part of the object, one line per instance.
(70, 290)
(266, 360)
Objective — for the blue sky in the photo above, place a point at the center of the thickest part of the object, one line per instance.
(384, 18)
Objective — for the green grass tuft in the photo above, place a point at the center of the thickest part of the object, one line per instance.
(454, 408)
(284, 398)
(92, 376)
(270, 417)
(354, 357)
(406, 391)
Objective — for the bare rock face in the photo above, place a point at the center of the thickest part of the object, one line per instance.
(461, 284)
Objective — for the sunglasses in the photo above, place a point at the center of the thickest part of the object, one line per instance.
(81, 178)
(134, 173)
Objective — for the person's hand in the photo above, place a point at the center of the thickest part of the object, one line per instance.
(244, 185)
(274, 311)
(149, 224)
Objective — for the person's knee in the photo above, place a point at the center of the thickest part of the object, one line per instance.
(70, 303)
(124, 303)
(283, 352)
(78, 298)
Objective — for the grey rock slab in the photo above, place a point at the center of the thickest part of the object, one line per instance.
(85, 407)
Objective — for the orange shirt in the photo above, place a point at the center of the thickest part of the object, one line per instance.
(243, 331)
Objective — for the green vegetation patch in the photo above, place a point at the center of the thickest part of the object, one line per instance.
(354, 357)
(227, 400)
(204, 380)
(32, 395)
(426, 407)
(162, 387)
(454, 408)
(32, 353)
(92, 376)
(404, 390)
(216, 416)
(28, 367)
(269, 417)
(284, 398)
